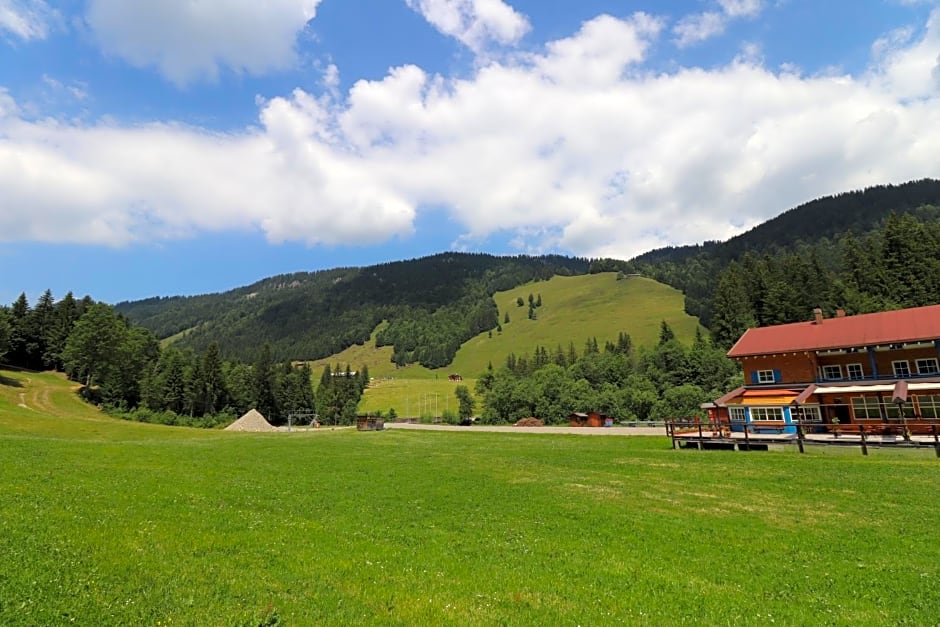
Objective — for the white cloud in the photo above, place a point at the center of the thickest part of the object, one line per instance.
(577, 148)
(475, 23)
(910, 69)
(188, 41)
(741, 8)
(698, 27)
(27, 19)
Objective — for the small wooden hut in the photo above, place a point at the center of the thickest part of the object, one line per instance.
(368, 423)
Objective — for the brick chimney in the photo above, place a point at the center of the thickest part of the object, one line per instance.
(817, 316)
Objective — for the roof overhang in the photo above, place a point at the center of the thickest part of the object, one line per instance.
(850, 389)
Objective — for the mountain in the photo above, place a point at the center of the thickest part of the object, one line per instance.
(824, 218)
(432, 305)
(574, 309)
(814, 232)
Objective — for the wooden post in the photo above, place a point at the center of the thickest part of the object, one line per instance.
(861, 431)
(747, 440)
(936, 440)
(906, 433)
(698, 421)
(671, 430)
(799, 435)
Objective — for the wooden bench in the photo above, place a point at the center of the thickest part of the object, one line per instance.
(768, 426)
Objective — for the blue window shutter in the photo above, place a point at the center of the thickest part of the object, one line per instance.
(754, 377)
(777, 377)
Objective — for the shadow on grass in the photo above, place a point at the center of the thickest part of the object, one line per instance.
(12, 383)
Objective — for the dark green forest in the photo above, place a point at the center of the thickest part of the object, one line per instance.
(123, 368)
(862, 251)
(650, 383)
(433, 305)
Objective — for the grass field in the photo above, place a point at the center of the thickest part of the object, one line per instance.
(416, 398)
(573, 310)
(111, 523)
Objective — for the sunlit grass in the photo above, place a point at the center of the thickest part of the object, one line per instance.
(142, 524)
(573, 310)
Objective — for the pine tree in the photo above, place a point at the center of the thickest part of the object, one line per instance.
(263, 384)
(732, 314)
(4, 332)
(93, 345)
(214, 391)
(665, 332)
(18, 350)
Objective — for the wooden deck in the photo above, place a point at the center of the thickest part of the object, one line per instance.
(708, 436)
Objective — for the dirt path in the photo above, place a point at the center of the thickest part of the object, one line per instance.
(661, 431)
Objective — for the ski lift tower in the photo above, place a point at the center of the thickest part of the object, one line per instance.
(301, 416)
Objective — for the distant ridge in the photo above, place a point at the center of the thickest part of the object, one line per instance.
(432, 304)
(857, 211)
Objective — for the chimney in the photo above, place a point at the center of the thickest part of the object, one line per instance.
(840, 313)
(817, 316)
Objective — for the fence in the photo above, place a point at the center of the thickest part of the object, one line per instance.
(747, 435)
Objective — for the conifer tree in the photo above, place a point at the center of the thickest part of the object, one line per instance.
(732, 309)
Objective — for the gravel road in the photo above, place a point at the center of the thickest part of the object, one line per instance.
(661, 431)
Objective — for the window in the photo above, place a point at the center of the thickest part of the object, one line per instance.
(901, 368)
(806, 413)
(927, 366)
(893, 410)
(738, 414)
(765, 376)
(855, 371)
(929, 405)
(765, 414)
(832, 372)
(866, 408)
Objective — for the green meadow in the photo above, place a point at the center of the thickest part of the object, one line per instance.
(573, 310)
(104, 522)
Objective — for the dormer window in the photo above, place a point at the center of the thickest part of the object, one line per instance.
(765, 376)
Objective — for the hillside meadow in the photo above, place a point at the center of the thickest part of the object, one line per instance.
(574, 308)
(112, 523)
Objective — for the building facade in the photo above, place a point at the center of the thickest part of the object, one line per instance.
(880, 369)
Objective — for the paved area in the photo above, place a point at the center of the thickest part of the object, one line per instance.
(660, 431)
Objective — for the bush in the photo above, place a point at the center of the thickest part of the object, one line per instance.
(172, 419)
(450, 417)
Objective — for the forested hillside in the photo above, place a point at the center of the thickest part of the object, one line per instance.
(122, 368)
(862, 251)
(433, 305)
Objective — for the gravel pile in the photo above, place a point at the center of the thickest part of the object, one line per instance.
(251, 421)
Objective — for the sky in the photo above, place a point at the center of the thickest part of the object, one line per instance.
(191, 146)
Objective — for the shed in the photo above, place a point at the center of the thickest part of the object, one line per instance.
(577, 419)
(368, 423)
(592, 419)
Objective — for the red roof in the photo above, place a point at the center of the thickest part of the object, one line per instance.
(918, 324)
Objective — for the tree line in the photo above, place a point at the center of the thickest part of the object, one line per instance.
(431, 305)
(893, 267)
(619, 380)
(124, 368)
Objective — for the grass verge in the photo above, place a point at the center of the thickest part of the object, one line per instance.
(142, 524)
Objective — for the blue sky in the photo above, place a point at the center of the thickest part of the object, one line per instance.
(180, 147)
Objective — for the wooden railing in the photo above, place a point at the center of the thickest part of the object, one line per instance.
(699, 431)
